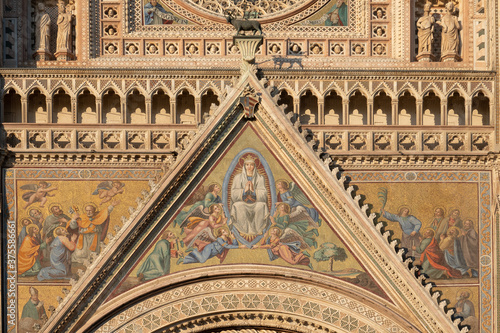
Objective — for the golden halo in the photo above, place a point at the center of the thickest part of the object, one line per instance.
(442, 208)
(404, 206)
(25, 219)
(287, 206)
(433, 231)
(30, 209)
(452, 209)
(53, 205)
(54, 233)
(218, 231)
(454, 228)
(279, 230)
(90, 204)
(32, 225)
(283, 181)
(466, 290)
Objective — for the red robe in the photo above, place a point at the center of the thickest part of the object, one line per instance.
(435, 257)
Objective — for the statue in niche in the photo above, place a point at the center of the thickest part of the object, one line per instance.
(453, 118)
(163, 117)
(355, 118)
(450, 34)
(428, 118)
(64, 27)
(425, 26)
(42, 21)
(379, 118)
(113, 117)
(308, 118)
(187, 117)
(138, 117)
(41, 116)
(404, 118)
(64, 116)
(89, 117)
(477, 118)
(332, 118)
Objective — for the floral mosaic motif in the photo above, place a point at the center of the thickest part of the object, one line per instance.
(291, 304)
(366, 329)
(190, 308)
(349, 323)
(250, 301)
(152, 321)
(271, 302)
(330, 315)
(209, 304)
(170, 314)
(311, 309)
(230, 301)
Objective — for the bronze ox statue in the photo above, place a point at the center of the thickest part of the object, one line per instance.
(244, 24)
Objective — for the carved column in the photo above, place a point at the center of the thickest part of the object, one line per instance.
(420, 112)
(321, 111)
(394, 110)
(468, 112)
(173, 111)
(444, 116)
(296, 106)
(98, 106)
(345, 112)
(24, 109)
(74, 109)
(147, 101)
(49, 109)
(369, 111)
(197, 109)
(123, 107)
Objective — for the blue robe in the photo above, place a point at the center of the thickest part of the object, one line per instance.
(60, 262)
(149, 18)
(210, 199)
(158, 262)
(288, 198)
(211, 250)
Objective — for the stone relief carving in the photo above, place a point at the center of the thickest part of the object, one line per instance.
(425, 26)
(42, 23)
(450, 34)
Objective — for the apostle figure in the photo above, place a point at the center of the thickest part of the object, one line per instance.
(157, 263)
(425, 26)
(60, 256)
(453, 220)
(93, 227)
(33, 308)
(63, 27)
(42, 21)
(450, 33)
(410, 226)
(432, 258)
(469, 244)
(249, 210)
(28, 263)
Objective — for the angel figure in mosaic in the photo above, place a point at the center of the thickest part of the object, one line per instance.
(285, 244)
(284, 220)
(200, 201)
(200, 222)
(217, 246)
(108, 189)
(37, 193)
(291, 194)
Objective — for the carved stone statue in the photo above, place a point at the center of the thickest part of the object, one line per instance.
(64, 28)
(425, 26)
(42, 21)
(450, 34)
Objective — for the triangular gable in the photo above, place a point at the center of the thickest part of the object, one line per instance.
(306, 240)
(413, 308)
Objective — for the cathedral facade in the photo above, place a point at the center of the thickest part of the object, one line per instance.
(337, 160)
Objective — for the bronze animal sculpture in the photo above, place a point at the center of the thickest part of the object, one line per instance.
(243, 24)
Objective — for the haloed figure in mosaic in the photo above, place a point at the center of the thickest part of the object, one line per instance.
(249, 210)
